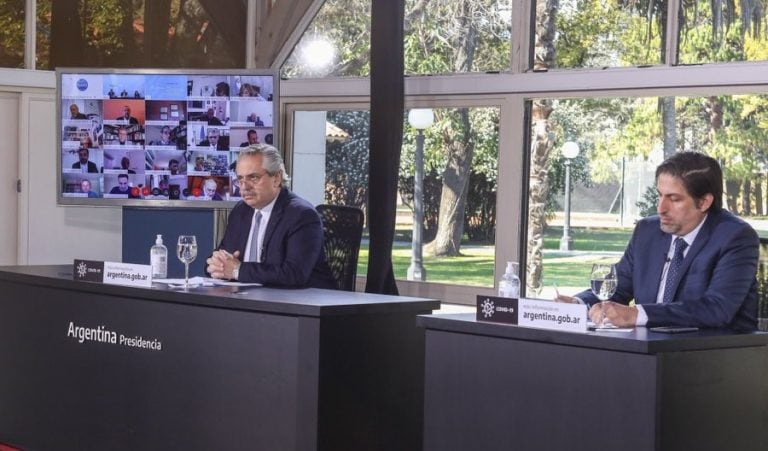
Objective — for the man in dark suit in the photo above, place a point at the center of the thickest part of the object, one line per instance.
(210, 117)
(83, 164)
(693, 264)
(125, 165)
(253, 138)
(126, 118)
(213, 140)
(273, 236)
(210, 188)
(165, 138)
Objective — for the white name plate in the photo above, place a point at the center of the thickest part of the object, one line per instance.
(552, 315)
(114, 273)
(127, 274)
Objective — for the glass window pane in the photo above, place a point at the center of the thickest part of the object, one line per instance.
(446, 36)
(733, 31)
(12, 34)
(43, 35)
(336, 44)
(620, 142)
(457, 36)
(161, 33)
(461, 152)
(464, 138)
(330, 161)
(627, 34)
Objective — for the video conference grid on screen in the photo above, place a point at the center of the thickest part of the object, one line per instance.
(159, 136)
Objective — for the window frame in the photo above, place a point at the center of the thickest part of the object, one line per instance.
(510, 91)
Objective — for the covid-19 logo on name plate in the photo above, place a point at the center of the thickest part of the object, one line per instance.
(82, 270)
(488, 308)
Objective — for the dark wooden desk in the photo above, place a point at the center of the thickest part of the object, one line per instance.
(497, 387)
(222, 368)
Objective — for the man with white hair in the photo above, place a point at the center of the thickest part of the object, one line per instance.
(209, 188)
(273, 236)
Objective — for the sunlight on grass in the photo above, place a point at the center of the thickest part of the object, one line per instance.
(474, 267)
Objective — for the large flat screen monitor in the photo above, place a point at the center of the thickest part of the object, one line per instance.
(158, 137)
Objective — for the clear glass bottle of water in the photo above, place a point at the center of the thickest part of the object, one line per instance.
(509, 285)
(158, 258)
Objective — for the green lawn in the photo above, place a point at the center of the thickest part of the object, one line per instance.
(475, 265)
(590, 239)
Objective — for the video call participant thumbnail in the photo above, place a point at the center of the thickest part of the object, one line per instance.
(253, 138)
(123, 187)
(214, 140)
(210, 188)
(125, 165)
(165, 138)
(174, 166)
(126, 117)
(222, 89)
(74, 113)
(122, 136)
(85, 188)
(210, 117)
(83, 163)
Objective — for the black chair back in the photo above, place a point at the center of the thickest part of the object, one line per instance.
(342, 232)
(762, 287)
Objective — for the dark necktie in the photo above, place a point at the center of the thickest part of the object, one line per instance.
(255, 238)
(673, 273)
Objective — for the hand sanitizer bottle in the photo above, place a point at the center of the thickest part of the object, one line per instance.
(158, 258)
(509, 285)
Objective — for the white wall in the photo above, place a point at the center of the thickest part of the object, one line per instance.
(47, 233)
(309, 156)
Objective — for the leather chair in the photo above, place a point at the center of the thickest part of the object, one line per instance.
(762, 286)
(342, 232)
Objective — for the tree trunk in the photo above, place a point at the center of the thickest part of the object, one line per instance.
(130, 49)
(667, 104)
(759, 195)
(157, 20)
(713, 108)
(453, 198)
(67, 46)
(746, 194)
(732, 195)
(541, 144)
(669, 126)
(232, 31)
(450, 224)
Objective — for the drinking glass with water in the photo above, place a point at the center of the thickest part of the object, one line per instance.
(603, 281)
(186, 250)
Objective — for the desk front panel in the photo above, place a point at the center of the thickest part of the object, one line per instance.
(494, 387)
(77, 375)
(490, 393)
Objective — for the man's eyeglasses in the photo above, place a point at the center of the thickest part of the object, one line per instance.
(251, 179)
